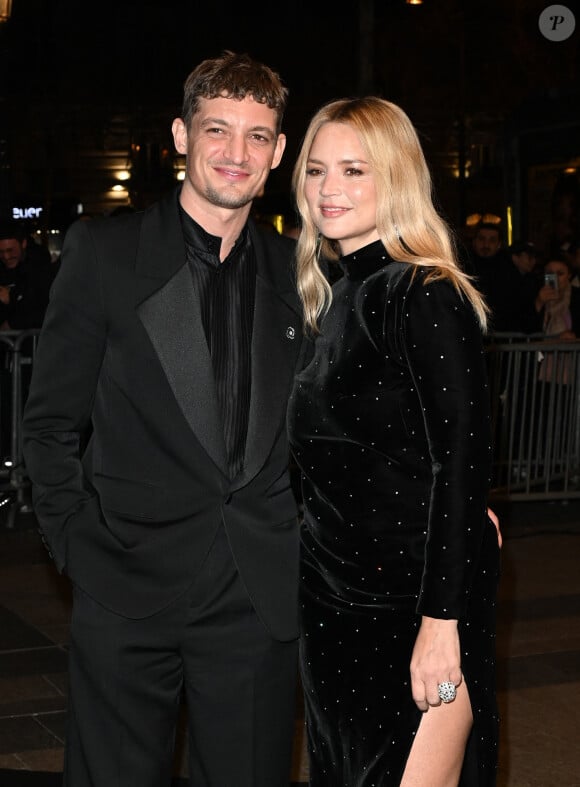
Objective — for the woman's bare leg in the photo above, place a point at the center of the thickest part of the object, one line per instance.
(436, 756)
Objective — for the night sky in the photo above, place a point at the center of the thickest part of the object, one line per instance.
(65, 61)
(138, 52)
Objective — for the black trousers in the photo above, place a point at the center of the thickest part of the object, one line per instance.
(126, 678)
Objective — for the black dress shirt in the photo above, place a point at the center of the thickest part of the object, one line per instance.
(226, 293)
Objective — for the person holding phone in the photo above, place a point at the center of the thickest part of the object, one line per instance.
(557, 302)
(558, 307)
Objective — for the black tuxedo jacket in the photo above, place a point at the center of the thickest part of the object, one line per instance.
(123, 350)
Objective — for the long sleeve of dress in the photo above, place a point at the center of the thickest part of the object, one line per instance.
(443, 345)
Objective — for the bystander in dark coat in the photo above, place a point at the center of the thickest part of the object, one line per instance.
(24, 282)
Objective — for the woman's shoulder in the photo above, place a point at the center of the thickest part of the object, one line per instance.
(439, 301)
(408, 279)
(393, 274)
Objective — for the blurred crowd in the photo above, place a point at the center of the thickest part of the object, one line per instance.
(527, 291)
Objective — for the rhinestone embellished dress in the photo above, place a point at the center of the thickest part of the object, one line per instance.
(389, 425)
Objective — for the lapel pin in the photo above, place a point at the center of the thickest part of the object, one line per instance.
(290, 332)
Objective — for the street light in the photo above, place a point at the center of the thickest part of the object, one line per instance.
(5, 10)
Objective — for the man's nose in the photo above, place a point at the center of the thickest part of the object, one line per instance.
(238, 149)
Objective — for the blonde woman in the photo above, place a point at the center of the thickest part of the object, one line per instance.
(389, 424)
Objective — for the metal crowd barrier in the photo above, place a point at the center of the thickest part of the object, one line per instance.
(535, 399)
(535, 402)
(18, 349)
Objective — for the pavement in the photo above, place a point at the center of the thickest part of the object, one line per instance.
(538, 646)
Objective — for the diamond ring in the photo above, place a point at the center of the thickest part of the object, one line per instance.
(447, 691)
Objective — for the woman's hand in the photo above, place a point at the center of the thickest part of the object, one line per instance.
(436, 659)
(493, 516)
(544, 296)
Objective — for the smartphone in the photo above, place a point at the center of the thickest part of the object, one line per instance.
(551, 280)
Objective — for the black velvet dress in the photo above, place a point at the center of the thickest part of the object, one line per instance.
(389, 425)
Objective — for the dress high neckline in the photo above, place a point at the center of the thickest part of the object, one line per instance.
(365, 261)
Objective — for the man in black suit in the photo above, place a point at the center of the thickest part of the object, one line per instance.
(175, 333)
(24, 282)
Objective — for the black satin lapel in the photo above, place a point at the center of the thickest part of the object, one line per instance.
(276, 341)
(172, 320)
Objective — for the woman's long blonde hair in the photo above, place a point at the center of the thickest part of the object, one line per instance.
(407, 222)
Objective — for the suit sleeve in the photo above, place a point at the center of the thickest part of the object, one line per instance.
(59, 404)
(445, 353)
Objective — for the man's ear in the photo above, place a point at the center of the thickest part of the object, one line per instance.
(179, 132)
(279, 151)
